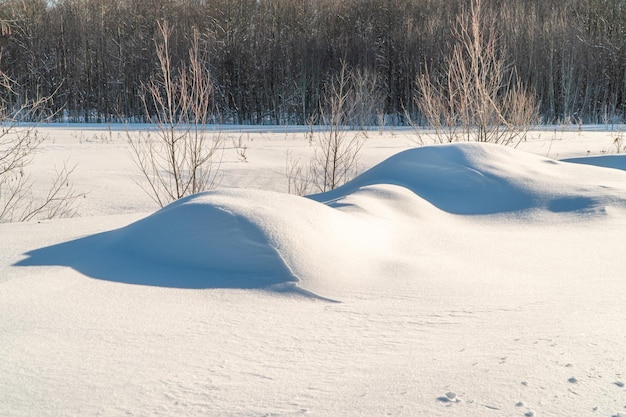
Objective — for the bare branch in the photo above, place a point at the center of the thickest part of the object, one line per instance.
(336, 148)
(479, 98)
(18, 146)
(184, 156)
(60, 202)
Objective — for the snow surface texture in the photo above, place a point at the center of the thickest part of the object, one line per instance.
(472, 279)
(262, 239)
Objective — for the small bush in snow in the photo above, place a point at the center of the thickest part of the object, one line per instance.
(182, 157)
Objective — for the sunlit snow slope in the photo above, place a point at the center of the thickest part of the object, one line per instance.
(473, 178)
(341, 241)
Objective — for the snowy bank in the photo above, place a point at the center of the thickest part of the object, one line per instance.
(339, 241)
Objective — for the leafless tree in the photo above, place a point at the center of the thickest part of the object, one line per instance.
(271, 59)
(18, 146)
(478, 97)
(365, 101)
(336, 145)
(337, 148)
(184, 155)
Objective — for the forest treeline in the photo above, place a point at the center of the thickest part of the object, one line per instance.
(271, 60)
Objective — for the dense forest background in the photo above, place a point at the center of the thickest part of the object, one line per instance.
(270, 60)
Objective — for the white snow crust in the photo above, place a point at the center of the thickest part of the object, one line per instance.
(460, 279)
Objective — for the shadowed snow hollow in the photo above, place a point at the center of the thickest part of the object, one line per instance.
(371, 229)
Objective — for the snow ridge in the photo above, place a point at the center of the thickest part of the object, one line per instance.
(339, 241)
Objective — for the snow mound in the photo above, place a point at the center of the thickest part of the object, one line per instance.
(247, 239)
(606, 161)
(221, 242)
(243, 239)
(476, 178)
(374, 228)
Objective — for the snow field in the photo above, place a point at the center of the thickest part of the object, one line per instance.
(470, 280)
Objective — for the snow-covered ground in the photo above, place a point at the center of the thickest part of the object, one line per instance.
(448, 280)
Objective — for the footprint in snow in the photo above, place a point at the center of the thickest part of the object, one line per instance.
(450, 397)
(619, 384)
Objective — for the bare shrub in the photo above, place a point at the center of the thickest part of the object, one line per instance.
(299, 175)
(182, 157)
(478, 97)
(336, 148)
(241, 149)
(618, 142)
(365, 99)
(18, 146)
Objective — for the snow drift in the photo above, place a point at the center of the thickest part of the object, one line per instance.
(475, 178)
(606, 161)
(516, 309)
(338, 241)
